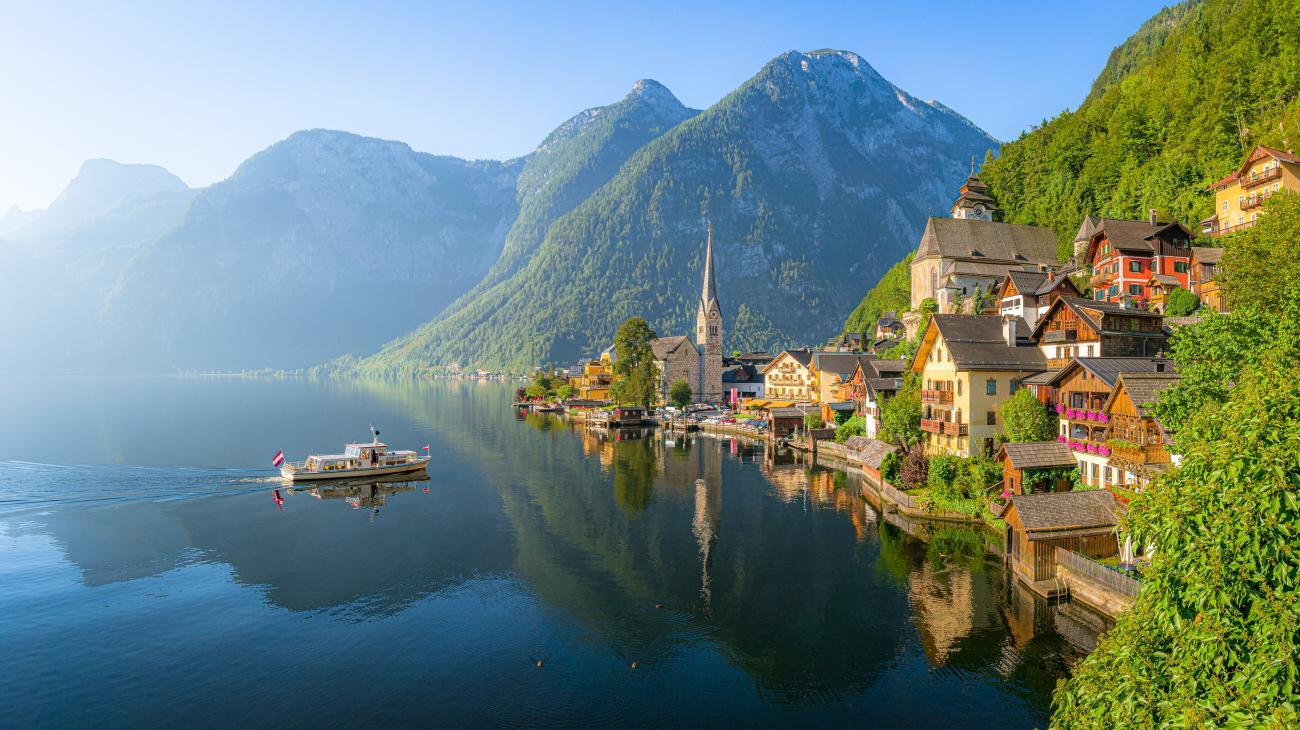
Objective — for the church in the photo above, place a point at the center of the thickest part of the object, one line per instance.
(698, 363)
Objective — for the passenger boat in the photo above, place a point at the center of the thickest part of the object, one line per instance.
(358, 461)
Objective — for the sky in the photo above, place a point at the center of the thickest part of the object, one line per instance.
(199, 87)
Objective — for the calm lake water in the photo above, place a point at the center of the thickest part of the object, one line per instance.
(543, 576)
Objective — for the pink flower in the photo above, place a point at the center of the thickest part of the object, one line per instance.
(1104, 450)
(1060, 408)
(1092, 448)
(1103, 418)
(1062, 439)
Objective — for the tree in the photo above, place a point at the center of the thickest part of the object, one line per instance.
(564, 392)
(900, 417)
(855, 426)
(914, 469)
(636, 375)
(813, 420)
(679, 394)
(842, 417)
(1181, 303)
(1263, 260)
(1025, 419)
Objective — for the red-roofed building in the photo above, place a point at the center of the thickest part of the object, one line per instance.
(1239, 198)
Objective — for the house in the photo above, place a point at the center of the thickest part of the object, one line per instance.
(1138, 444)
(789, 376)
(1046, 463)
(1204, 277)
(888, 326)
(596, 379)
(869, 453)
(874, 381)
(969, 252)
(832, 373)
(1123, 254)
(740, 381)
(1159, 287)
(1074, 327)
(968, 365)
(845, 342)
(1037, 524)
(1080, 391)
(1028, 294)
(785, 420)
(1239, 198)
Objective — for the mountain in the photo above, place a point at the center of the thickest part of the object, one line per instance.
(573, 161)
(322, 242)
(57, 264)
(1176, 107)
(816, 174)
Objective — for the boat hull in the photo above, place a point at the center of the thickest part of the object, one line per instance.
(295, 475)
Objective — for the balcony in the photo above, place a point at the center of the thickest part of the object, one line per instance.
(954, 429)
(1254, 202)
(1252, 181)
(1055, 336)
(1232, 229)
(936, 396)
(1141, 455)
(930, 425)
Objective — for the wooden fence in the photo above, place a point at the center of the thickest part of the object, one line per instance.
(1096, 572)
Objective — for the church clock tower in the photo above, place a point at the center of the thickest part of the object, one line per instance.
(708, 332)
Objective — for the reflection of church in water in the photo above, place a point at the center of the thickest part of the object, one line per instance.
(695, 464)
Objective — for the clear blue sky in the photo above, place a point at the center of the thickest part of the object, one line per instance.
(198, 87)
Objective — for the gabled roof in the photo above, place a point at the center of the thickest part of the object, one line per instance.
(740, 373)
(876, 386)
(1142, 388)
(978, 343)
(1090, 312)
(1061, 513)
(1108, 369)
(1207, 254)
(994, 242)
(1165, 279)
(1038, 283)
(1037, 455)
(1126, 235)
(803, 356)
(840, 363)
(665, 346)
(869, 451)
(1255, 155)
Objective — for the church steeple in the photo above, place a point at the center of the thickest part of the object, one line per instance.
(709, 295)
(708, 330)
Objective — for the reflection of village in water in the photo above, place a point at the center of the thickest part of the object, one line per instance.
(960, 593)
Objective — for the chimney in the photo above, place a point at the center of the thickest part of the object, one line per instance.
(1151, 216)
(1009, 330)
(1051, 275)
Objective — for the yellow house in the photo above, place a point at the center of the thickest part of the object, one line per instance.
(969, 364)
(1239, 198)
(596, 378)
(789, 376)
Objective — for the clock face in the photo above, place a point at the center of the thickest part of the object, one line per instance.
(979, 210)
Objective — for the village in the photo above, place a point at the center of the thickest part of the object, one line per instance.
(1016, 390)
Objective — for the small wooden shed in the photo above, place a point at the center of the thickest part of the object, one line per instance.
(1034, 456)
(868, 452)
(1037, 524)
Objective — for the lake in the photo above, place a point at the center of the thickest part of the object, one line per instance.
(155, 572)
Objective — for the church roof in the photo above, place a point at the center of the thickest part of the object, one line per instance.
(709, 293)
(665, 346)
(988, 241)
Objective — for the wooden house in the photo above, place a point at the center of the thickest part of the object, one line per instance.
(1138, 445)
(1124, 254)
(1028, 458)
(1028, 294)
(1204, 277)
(1037, 524)
(1159, 287)
(786, 420)
(1074, 327)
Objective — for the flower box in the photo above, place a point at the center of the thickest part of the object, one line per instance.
(1092, 415)
(1092, 448)
(1103, 418)
(1103, 450)
(1060, 408)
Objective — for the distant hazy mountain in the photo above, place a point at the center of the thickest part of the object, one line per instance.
(323, 243)
(817, 174)
(57, 264)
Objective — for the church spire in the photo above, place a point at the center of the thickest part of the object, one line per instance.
(709, 295)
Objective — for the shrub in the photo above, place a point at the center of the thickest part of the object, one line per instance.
(1181, 303)
(942, 476)
(855, 426)
(813, 420)
(915, 468)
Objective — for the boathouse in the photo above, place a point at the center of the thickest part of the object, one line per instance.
(1047, 464)
(1037, 524)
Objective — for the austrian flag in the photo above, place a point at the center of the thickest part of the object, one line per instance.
(277, 461)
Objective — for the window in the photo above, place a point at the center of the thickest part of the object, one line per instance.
(992, 418)
(958, 387)
(1225, 206)
(988, 447)
(1011, 387)
(1135, 290)
(990, 387)
(1276, 186)
(1180, 267)
(1135, 266)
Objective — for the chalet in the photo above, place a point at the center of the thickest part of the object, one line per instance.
(740, 381)
(1124, 254)
(874, 382)
(1047, 464)
(1239, 198)
(969, 252)
(789, 376)
(1074, 327)
(888, 325)
(968, 365)
(1028, 294)
(1037, 524)
(832, 375)
(1081, 390)
(1138, 444)
(1204, 278)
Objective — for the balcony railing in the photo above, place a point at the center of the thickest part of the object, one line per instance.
(1052, 336)
(930, 425)
(1232, 229)
(1255, 202)
(954, 429)
(1142, 454)
(1253, 180)
(936, 396)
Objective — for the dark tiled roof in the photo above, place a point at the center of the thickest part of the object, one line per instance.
(802, 356)
(740, 373)
(884, 385)
(840, 363)
(1144, 388)
(1059, 511)
(1087, 310)
(1108, 369)
(977, 343)
(1166, 279)
(991, 241)
(1039, 455)
(664, 346)
(869, 451)
(1089, 227)
(883, 368)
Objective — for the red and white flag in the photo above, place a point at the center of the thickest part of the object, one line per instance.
(277, 461)
(426, 448)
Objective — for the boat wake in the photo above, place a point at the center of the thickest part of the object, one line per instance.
(28, 485)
